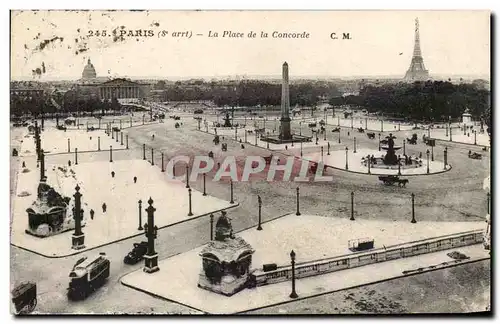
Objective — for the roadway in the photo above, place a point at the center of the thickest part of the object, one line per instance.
(454, 195)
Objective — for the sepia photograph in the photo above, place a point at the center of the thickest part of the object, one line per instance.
(250, 162)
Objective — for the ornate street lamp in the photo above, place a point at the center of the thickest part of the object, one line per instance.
(413, 220)
(352, 206)
(298, 212)
(346, 164)
(427, 160)
(294, 293)
(379, 142)
(140, 228)
(259, 200)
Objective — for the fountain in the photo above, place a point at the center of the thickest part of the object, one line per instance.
(390, 157)
(227, 121)
(390, 160)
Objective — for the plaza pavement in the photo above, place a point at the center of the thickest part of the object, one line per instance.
(121, 196)
(311, 237)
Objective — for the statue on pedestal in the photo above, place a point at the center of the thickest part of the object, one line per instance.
(226, 261)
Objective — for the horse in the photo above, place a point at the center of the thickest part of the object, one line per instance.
(402, 182)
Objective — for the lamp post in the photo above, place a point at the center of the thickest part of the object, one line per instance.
(300, 128)
(69, 146)
(110, 153)
(328, 153)
(140, 228)
(324, 137)
(190, 213)
(211, 227)
(404, 147)
(116, 137)
(399, 164)
(488, 197)
(450, 133)
(346, 164)
(259, 228)
(98, 143)
(445, 158)
(352, 206)
(381, 125)
(78, 237)
(379, 142)
(204, 184)
(76, 156)
(129, 121)
(366, 123)
(150, 229)
(475, 141)
(339, 136)
(301, 148)
(152, 157)
(446, 127)
(294, 293)
(126, 140)
(352, 125)
(298, 212)
(413, 220)
(427, 160)
(162, 163)
(369, 163)
(399, 126)
(144, 151)
(187, 175)
(231, 188)
(121, 138)
(322, 154)
(42, 166)
(432, 152)
(354, 144)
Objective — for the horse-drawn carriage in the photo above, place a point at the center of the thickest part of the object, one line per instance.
(177, 125)
(322, 122)
(224, 147)
(61, 127)
(392, 179)
(412, 140)
(370, 135)
(474, 156)
(15, 152)
(314, 167)
(211, 154)
(312, 125)
(216, 140)
(336, 130)
(24, 297)
(361, 130)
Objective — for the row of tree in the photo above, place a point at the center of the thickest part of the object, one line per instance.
(422, 101)
(251, 93)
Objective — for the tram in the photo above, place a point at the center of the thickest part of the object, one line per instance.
(87, 276)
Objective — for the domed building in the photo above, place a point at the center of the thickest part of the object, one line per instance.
(89, 71)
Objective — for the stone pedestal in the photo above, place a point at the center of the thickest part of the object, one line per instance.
(151, 263)
(78, 242)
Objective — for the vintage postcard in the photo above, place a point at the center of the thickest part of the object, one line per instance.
(250, 162)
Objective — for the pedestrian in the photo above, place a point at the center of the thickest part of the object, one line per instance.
(286, 147)
(24, 164)
(69, 162)
(348, 133)
(153, 136)
(112, 174)
(104, 207)
(135, 179)
(90, 137)
(92, 214)
(420, 155)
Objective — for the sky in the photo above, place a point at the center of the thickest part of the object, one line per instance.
(452, 43)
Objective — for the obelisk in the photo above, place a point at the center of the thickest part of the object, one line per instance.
(285, 133)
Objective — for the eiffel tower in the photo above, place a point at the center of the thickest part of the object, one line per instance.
(417, 71)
